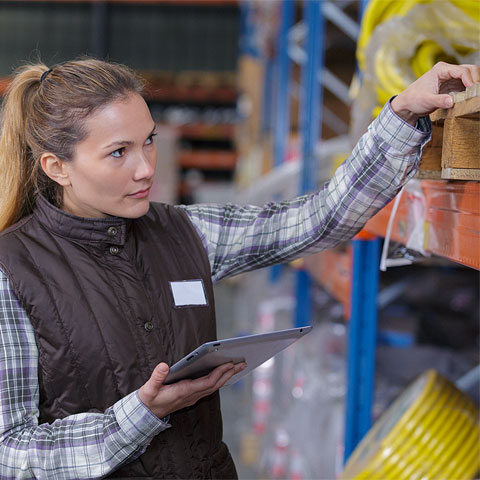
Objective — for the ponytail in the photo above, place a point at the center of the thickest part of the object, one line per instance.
(44, 110)
(17, 179)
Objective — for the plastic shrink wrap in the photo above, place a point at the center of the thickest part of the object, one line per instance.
(401, 40)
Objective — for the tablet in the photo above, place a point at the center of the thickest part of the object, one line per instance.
(253, 349)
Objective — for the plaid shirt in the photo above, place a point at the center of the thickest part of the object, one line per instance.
(237, 239)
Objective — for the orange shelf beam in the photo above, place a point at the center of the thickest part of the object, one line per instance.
(452, 220)
(190, 94)
(452, 230)
(161, 93)
(4, 83)
(208, 159)
(207, 132)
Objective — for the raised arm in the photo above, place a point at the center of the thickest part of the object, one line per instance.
(239, 239)
(242, 238)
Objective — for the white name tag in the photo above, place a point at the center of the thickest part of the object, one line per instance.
(188, 293)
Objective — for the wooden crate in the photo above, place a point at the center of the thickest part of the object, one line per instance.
(454, 152)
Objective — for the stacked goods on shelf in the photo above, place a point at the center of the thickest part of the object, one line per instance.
(252, 159)
(401, 40)
(257, 41)
(292, 409)
(448, 213)
(198, 111)
(398, 42)
(430, 431)
(200, 106)
(188, 86)
(453, 151)
(187, 51)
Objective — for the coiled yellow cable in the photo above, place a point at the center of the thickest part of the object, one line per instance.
(428, 53)
(390, 77)
(470, 7)
(377, 12)
(430, 432)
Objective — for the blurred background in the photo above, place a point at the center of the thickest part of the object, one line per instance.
(260, 100)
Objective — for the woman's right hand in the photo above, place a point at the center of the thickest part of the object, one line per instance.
(165, 399)
(431, 90)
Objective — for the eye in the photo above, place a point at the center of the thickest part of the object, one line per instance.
(150, 139)
(118, 153)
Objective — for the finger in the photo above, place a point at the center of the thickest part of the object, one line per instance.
(474, 72)
(446, 71)
(215, 374)
(223, 380)
(240, 366)
(207, 382)
(229, 374)
(441, 101)
(159, 375)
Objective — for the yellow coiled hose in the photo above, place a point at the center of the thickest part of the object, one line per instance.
(390, 78)
(430, 432)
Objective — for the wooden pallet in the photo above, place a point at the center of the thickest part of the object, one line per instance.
(454, 151)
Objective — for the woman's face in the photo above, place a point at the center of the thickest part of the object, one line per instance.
(112, 169)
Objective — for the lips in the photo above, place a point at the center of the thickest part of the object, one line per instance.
(140, 193)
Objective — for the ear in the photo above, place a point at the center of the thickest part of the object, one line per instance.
(55, 169)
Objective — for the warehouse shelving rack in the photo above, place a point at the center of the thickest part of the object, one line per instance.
(362, 334)
(277, 91)
(210, 145)
(452, 222)
(156, 90)
(452, 225)
(366, 251)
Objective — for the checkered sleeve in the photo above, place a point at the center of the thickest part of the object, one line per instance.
(242, 238)
(86, 445)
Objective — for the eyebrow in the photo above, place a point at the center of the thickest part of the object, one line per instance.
(125, 142)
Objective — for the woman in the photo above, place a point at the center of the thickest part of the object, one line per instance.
(88, 321)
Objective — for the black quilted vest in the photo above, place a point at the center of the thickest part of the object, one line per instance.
(93, 294)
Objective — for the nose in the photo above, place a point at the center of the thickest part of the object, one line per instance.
(145, 168)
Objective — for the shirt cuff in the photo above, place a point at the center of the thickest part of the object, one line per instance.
(136, 420)
(398, 136)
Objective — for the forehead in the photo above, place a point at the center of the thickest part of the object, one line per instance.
(124, 119)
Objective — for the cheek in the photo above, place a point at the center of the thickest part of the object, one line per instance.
(99, 180)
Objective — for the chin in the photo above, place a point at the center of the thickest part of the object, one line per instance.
(137, 211)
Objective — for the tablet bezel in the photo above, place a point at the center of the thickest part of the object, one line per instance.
(206, 357)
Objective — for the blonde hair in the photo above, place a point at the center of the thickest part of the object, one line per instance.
(48, 115)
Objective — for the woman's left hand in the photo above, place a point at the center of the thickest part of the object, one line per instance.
(165, 399)
(431, 90)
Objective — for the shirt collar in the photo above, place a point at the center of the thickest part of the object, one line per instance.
(110, 230)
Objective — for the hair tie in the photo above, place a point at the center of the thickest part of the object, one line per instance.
(44, 74)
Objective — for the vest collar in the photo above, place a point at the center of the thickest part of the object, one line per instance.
(110, 230)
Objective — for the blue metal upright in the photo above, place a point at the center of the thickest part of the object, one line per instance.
(366, 253)
(362, 336)
(362, 340)
(267, 114)
(311, 93)
(283, 66)
(311, 121)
